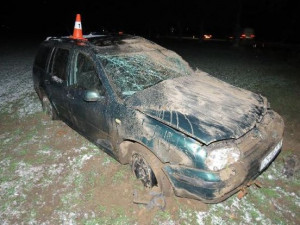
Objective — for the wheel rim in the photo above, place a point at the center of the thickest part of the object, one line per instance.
(143, 171)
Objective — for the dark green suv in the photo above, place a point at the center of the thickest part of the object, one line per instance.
(181, 130)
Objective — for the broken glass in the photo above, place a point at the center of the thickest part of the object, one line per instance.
(137, 71)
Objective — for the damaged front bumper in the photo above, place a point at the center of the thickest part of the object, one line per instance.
(212, 187)
(207, 186)
(198, 184)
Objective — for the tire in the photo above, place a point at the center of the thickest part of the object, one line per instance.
(148, 168)
(48, 108)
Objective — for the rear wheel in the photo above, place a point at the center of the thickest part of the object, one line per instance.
(48, 108)
(148, 168)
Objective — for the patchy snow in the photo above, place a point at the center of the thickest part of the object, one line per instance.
(13, 191)
(246, 210)
(45, 151)
(81, 149)
(4, 163)
(26, 176)
(56, 169)
(200, 217)
(5, 136)
(29, 173)
(222, 212)
(30, 105)
(59, 173)
(67, 218)
(79, 161)
(16, 85)
(170, 222)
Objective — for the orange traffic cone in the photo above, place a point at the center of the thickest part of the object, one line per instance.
(77, 33)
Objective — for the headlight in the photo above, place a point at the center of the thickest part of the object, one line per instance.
(219, 158)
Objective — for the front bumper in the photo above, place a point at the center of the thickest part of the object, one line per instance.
(213, 187)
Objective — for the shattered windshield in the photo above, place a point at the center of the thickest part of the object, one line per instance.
(133, 72)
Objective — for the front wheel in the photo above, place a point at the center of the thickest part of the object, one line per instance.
(148, 168)
(143, 171)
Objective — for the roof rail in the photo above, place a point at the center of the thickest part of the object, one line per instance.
(60, 39)
(54, 39)
(92, 39)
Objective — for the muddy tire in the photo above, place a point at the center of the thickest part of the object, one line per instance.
(48, 108)
(148, 168)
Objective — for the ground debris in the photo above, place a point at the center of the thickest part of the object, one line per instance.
(150, 199)
(291, 166)
(242, 193)
(244, 190)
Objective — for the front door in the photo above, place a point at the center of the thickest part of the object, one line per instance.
(88, 117)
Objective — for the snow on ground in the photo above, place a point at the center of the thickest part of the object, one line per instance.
(19, 178)
(248, 211)
(25, 181)
(16, 85)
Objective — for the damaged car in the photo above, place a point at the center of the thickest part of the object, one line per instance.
(180, 129)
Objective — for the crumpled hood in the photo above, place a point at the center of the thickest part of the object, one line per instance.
(201, 106)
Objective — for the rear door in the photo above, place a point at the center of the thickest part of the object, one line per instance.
(40, 68)
(56, 81)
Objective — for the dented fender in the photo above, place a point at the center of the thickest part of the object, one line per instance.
(169, 145)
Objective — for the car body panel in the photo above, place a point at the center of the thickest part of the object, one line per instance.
(57, 93)
(210, 186)
(90, 118)
(168, 144)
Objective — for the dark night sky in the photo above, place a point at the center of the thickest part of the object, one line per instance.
(274, 20)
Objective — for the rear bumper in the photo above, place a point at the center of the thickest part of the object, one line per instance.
(213, 187)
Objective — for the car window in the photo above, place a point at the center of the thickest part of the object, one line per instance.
(60, 64)
(42, 56)
(85, 74)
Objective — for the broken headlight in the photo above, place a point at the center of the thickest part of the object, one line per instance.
(219, 158)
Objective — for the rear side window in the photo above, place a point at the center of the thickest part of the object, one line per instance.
(42, 56)
(60, 64)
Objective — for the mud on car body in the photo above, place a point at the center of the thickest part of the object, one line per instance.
(180, 129)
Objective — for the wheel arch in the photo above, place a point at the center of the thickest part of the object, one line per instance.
(128, 146)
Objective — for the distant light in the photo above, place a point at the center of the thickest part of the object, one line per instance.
(207, 36)
(247, 36)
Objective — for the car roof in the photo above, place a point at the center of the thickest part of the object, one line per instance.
(110, 44)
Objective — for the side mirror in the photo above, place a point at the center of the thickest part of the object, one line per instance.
(92, 96)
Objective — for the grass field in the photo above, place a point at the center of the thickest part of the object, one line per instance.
(49, 174)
